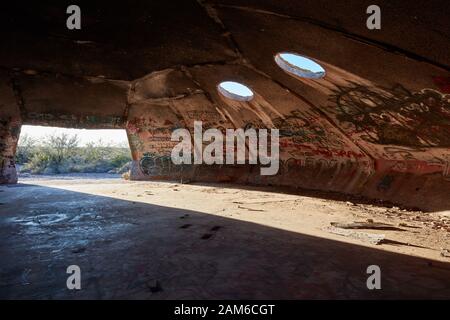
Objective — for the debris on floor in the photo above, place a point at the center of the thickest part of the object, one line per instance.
(365, 225)
(251, 209)
(182, 244)
(358, 235)
(445, 253)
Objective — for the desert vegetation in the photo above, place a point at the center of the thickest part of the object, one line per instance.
(63, 153)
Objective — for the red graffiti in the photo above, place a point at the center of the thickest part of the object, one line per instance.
(443, 83)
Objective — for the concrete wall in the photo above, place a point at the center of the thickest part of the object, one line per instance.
(10, 122)
(386, 144)
(352, 135)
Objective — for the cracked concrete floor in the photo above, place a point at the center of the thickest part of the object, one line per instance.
(160, 240)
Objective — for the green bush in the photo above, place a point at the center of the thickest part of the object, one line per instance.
(62, 154)
(26, 149)
(39, 162)
(120, 158)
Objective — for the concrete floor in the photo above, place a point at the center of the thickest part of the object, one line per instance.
(156, 240)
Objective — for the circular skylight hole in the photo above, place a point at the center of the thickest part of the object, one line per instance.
(235, 90)
(299, 66)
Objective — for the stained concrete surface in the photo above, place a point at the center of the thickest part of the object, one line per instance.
(161, 240)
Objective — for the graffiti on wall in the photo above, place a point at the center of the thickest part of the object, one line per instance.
(394, 116)
(152, 164)
(443, 83)
(306, 127)
(303, 135)
(302, 127)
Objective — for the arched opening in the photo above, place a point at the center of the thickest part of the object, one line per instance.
(61, 152)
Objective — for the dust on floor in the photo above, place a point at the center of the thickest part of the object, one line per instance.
(161, 240)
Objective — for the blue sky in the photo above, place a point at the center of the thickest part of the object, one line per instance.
(302, 62)
(236, 88)
(294, 59)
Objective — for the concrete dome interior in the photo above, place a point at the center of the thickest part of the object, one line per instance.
(367, 119)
